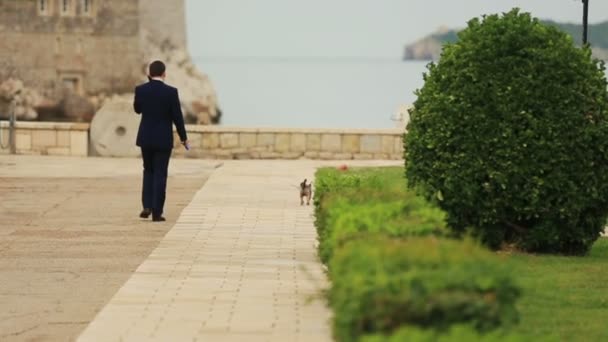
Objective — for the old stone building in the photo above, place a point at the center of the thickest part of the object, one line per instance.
(164, 19)
(64, 58)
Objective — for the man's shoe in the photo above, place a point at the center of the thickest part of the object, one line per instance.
(158, 219)
(145, 213)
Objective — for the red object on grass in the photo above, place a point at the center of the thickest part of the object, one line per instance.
(343, 167)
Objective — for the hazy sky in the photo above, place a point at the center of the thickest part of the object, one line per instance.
(338, 28)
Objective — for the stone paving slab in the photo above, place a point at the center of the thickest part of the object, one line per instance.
(239, 265)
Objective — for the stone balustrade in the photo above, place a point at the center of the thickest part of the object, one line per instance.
(218, 142)
(47, 138)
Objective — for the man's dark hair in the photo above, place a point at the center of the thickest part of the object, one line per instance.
(157, 69)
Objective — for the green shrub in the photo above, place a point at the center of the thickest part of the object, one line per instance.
(380, 284)
(396, 214)
(331, 183)
(370, 200)
(510, 134)
(328, 180)
(460, 333)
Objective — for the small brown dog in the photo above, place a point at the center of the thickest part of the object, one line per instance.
(305, 192)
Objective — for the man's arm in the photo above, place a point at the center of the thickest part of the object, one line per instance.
(136, 102)
(178, 118)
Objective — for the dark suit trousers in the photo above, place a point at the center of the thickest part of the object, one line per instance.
(156, 163)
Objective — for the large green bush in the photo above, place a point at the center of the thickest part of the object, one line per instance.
(510, 134)
(380, 284)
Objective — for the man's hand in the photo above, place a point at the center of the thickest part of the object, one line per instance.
(186, 144)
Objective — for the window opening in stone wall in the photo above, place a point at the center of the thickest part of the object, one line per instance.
(86, 6)
(58, 45)
(71, 84)
(43, 7)
(66, 7)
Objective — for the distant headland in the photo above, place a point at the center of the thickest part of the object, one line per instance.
(429, 47)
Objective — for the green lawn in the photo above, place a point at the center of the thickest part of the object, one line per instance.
(563, 298)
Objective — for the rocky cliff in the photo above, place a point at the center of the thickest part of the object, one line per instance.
(163, 35)
(197, 94)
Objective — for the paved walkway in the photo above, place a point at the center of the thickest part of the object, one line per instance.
(239, 265)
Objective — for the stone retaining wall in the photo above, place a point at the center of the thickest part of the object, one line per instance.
(212, 142)
(47, 138)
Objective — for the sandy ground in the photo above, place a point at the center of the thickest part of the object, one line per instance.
(70, 236)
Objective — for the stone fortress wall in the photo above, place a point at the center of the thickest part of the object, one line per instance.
(165, 19)
(63, 59)
(47, 49)
(44, 47)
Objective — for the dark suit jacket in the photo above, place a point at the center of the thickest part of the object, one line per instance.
(160, 108)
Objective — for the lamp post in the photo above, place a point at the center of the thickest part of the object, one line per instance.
(585, 21)
(12, 142)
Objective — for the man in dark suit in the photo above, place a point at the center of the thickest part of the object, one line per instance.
(160, 108)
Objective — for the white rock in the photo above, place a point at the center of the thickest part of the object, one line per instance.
(197, 94)
(23, 100)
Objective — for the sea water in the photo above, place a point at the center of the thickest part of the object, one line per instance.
(312, 93)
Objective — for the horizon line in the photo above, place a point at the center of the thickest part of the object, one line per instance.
(221, 58)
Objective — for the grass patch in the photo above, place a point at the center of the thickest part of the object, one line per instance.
(564, 298)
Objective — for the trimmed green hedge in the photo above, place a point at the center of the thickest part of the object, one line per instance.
(401, 215)
(349, 204)
(392, 266)
(381, 284)
(330, 181)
